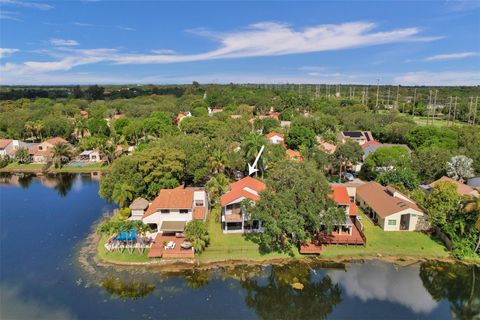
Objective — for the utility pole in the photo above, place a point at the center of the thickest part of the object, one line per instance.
(414, 101)
(475, 110)
(388, 97)
(434, 106)
(455, 110)
(398, 91)
(366, 97)
(378, 90)
(429, 105)
(449, 110)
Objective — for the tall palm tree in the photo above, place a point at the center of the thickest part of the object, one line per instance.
(107, 151)
(61, 154)
(123, 193)
(217, 161)
(29, 128)
(216, 186)
(81, 126)
(251, 145)
(472, 206)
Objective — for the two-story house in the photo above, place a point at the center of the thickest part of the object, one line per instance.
(234, 217)
(172, 209)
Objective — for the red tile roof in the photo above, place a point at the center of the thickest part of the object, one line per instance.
(274, 134)
(199, 213)
(56, 140)
(178, 198)
(340, 195)
(4, 143)
(370, 143)
(240, 188)
(294, 155)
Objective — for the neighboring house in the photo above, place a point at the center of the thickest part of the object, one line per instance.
(326, 146)
(294, 155)
(137, 208)
(182, 116)
(42, 152)
(234, 217)
(118, 116)
(390, 209)
(170, 211)
(211, 111)
(84, 114)
(360, 137)
(276, 138)
(462, 189)
(90, 156)
(8, 147)
(349, 232)
(372, 146)
(285, 124)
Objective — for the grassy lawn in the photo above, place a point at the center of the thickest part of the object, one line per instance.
(119, 256)
(401, 243)
(15, 166)
(232, 246)
(86, 168)
(38, 167)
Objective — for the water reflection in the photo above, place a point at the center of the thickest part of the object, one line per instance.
(457, 283)
(127, 288)
(15, 305)
(63, 183)
(382, 281)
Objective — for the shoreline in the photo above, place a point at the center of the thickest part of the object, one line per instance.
(91, 244)
(64, 169)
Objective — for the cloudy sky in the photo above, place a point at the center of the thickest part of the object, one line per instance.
(90, 41)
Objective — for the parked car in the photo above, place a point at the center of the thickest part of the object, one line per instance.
(348, 176)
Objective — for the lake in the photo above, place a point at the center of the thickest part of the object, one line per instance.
(44, 221)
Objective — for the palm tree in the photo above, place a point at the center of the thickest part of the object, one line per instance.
(472, 206)
(216, 186)
(81, 126)
(107, 151)
(123, 193)
(61, 154)
(217, 161)
(251, 146)
(30, 129)
(22, 156)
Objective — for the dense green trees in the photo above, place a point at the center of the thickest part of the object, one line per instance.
(197, 233)
(294, 206)
(299, 136)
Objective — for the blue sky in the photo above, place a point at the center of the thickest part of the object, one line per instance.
(84, 42)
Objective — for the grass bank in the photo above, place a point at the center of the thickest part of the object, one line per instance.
(393, 244)
(39, 167)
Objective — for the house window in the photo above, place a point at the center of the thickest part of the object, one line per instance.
(40, 148)
(392, 222)
(164, 211)
(183, 211)
(198, 203)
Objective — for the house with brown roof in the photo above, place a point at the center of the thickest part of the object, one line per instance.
(462, 189)
(234, 217)
(389, 208)
(8, 147)
(325, 146)
(294, 155)
(172, 209)
(275, 138)
(43, 152)
(137, 208)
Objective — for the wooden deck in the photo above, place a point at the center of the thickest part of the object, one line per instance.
(311, 248)
(355, 238)
(158, 248)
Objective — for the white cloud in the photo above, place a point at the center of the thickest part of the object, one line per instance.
(63, 42)
(9, 15)
(125, 28)
(380, 281)
(163, 51)
(441, 78)
(81, 24)
(24, 4)
(452, 56)
(5, 52)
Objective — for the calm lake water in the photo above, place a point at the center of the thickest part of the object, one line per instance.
(43, 221)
